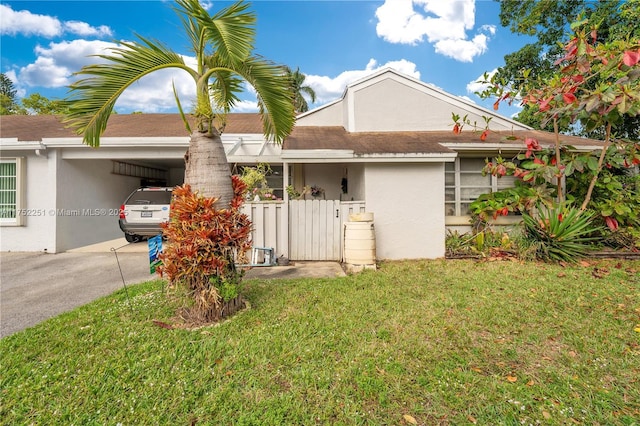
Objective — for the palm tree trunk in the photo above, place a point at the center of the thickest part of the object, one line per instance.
(207, 169)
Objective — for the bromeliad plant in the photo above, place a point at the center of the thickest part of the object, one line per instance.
(562, 233)
(204, 244)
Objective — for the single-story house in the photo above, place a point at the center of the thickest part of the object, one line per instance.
(386, 147)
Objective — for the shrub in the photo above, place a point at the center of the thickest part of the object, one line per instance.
(560, 233)
(203, 246)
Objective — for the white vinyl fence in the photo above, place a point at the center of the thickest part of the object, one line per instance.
(306, 230)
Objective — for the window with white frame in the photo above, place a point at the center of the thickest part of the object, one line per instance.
(464, 183)
(10, 191)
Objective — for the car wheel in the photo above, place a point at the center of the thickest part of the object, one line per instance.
(131, 238)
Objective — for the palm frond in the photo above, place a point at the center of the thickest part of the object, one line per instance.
(231, 31)
(224, 85)
(187, 126)
(273, 89)
(91, 99)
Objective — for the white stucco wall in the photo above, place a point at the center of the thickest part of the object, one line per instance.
(407, 201)
(355, 175)
(330, 115)
(377, 108)
(90, 196)
(327, 177)
(37, 232)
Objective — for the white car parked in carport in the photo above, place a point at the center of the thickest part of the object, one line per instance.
(143, 212)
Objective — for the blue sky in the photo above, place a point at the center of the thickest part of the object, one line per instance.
(447, 43)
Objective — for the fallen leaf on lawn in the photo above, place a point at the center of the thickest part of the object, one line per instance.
(572, 354)
(472, 419)
(561, 275)
(531, 383)
(163, 324)
(637, 329)
(546, 415)
(512, 379)
(477, 370)
(584, 263)
(410, 419)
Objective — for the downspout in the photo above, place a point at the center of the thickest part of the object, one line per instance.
(41, 151)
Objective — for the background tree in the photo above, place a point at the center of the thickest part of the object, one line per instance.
(548, 22)
(299, 89)
(37, 104)
(8, 103)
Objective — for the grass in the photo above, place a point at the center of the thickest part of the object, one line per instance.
(430, 342)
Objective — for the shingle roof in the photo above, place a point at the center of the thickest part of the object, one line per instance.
(363, 143)
(313, 137)
(37, 127)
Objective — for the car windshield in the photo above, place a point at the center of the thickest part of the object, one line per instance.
(150, 197)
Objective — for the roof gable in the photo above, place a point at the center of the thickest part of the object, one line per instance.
(390, 101)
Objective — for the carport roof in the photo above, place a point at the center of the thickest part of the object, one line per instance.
(38, 127)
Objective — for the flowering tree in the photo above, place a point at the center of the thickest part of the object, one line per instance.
(596, 85)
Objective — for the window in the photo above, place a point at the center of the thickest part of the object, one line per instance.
(10, 191)
(464, 183)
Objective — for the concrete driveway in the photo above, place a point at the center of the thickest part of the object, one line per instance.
(37, 286)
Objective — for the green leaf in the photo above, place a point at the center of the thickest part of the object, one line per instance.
(592, 164)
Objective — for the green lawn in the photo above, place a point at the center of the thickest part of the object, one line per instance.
(429, 342)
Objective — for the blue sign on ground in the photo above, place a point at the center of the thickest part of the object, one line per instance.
(155, 248)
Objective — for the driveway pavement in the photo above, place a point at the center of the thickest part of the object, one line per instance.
(38, 286)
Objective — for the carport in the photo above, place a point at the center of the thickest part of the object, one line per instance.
(68, 195)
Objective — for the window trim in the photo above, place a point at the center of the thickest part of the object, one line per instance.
(458, 218)
(18, 220)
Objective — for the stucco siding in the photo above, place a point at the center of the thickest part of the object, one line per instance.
(89, 197)
(331, 115)
(391, 105)
(37, 232)
(407, 201)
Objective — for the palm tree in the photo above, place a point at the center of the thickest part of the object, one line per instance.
(222, 45)
(299, 89)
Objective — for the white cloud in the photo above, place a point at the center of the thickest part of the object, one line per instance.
(85, 30)
(56, 63)
(477, 85)
(443, 23)
(246, 106)
(26, 23)
(23, 22)
(331, 88)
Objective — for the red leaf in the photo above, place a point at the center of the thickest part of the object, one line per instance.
(631, 58)
(544, 105)
(483, 136)
(496, 105)
(456, 129)
(611, 222)
(532, 144)
(569, 98)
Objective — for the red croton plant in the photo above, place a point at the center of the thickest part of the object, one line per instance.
(203, 246)
(596, 84)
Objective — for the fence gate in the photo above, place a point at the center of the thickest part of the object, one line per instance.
(315, 228)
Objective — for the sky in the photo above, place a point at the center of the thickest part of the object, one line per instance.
(447, 43)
